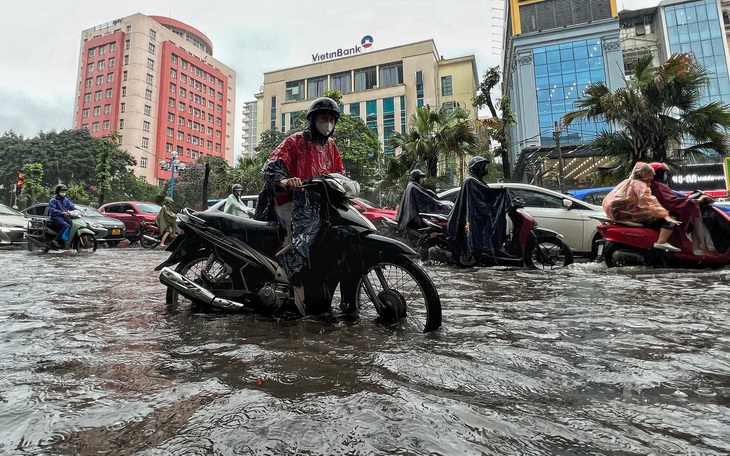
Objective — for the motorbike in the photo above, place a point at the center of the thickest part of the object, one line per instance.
(626, 243)
(233, 263)
(149, 235)
(80, 236)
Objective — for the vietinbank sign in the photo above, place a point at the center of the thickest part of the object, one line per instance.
(365, 43)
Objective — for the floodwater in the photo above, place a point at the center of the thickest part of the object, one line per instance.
(582, 360)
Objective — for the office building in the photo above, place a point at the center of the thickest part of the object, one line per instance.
(381, 87)
(250, 128)
(153, 80)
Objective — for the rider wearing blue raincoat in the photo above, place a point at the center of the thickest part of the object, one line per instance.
(58, 209)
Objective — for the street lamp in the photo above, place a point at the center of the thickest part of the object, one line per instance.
(171, 165)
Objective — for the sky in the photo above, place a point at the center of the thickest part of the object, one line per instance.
(42, 40)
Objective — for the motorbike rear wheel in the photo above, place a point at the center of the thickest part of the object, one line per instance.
(399, 290)
(145, 242)
(548, 252)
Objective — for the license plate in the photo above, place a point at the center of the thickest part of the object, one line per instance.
(116, 231)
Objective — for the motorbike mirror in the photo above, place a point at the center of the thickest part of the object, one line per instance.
(567, 203)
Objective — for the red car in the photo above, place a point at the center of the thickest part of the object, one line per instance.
(372, 213)
(132, 213)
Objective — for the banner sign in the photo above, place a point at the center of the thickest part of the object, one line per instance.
(711, 178)
(365, 43)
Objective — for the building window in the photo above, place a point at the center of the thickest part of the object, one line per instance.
(90, 68)
(97, 110)
(145, 126)
(107, 109)
(391, 74)
(151, 48)
(112, 62)
(122, 107)
(87, 97)
(365, 78)
(92, 52)
(150, 64)
(95, 126)
(86, 113)
(388, 123)
(121, 124)
(173, 87)
(100, 79)
(97, 95)
(145, 142)
(170, 132)
(148, 94)
(173, 73)
(105, 125)
(126, 60)
(446, 89)
(153, 34)
(342, 82)
(89, 82)
(181, 121)
(294, 91)
(147, 110)
(180, 136)
(102, 49)
(273, 111)
(316, 87)
(170, 117)
(371, 115)
(110, 77)
(143, 162)
(355, 110)
(112, 47)
(403, 114)
(419, 89)
(124, 75)
(149, 78)
(100, 65)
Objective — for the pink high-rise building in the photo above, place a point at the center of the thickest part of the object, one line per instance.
(154, 81)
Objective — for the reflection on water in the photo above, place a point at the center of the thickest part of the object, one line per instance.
(584, 360)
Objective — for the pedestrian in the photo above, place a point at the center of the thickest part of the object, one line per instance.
(166, 221)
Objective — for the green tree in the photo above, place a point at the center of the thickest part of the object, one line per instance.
(497, 126)
(654, 112)
(433, 135)
(32, 190)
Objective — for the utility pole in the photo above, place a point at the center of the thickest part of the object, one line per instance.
(561, 177)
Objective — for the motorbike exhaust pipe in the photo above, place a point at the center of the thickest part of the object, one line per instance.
(150, 238)
(195, 292)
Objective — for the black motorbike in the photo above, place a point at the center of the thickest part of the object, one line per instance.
(234, 263)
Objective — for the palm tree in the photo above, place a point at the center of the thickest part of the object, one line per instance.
(657, 109)
(433, 134)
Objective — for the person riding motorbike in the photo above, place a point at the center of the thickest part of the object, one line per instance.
(632, 201)
(477, 222)
(234, 205)
(58, 209)
(166, 221)
(418, 199)
(684, 209)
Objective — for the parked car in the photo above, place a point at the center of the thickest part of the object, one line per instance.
(106, 229)
(371, 212)
(13, 226)
(131, 213)
(591, 195)
(556, 211)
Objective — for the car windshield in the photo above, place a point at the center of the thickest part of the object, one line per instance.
(149, 208)
(89, 211)
(5, 210)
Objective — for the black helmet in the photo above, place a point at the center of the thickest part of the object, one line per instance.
(476, 160)
(323, 104)
(61, 188)
(417, 174)
(237, 187)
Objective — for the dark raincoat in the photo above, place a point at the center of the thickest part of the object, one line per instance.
(57, 205)
(477, 222)
(681, 207)
(417, 199)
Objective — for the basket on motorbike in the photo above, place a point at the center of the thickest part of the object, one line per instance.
(37, 227)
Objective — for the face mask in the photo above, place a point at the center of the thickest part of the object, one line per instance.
(325, 128)
(62, 194)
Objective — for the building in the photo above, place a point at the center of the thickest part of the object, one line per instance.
(153, 80)
(553, 50)
(250, 128)
(383, 87)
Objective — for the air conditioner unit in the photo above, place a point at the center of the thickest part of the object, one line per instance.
(640, 30)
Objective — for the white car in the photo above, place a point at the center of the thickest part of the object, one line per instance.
(555, 211)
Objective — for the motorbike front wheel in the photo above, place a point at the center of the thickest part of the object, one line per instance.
(548, 252)
(84, 242)
(148, 239)
(399, 290)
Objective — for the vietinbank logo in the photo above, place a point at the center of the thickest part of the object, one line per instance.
(365, 43)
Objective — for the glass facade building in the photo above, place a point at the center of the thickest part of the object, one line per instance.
(562, 73)
(696, 27)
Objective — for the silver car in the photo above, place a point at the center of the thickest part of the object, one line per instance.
(555, 211)
(12, 227)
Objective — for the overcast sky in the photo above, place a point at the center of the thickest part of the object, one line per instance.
(42, 40)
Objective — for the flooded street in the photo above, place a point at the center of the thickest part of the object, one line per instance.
(583, 360)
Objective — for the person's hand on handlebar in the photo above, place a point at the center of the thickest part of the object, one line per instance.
(291, 183)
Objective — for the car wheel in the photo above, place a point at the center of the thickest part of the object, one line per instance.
(112, 243)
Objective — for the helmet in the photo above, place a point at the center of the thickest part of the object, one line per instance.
(323, 105)
(476, 160)
(238, 187)
(417, 174)
(661, 171)
(61, 188)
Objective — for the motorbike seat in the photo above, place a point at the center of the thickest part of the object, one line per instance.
(260, 235)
